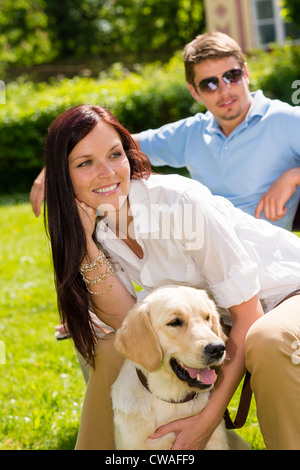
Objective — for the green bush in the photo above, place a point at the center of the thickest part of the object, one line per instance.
(149, 97)
(154, 96)
(275, 72)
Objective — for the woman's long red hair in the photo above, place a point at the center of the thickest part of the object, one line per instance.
(62, 221)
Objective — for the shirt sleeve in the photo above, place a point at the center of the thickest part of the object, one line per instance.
(166, 145)
(293, 134)
(226, 266)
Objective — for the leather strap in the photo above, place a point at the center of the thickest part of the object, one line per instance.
(292, 294)
(246, 394)
(143, 379)
(243, 408)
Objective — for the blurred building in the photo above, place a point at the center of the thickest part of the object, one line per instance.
(252, 23)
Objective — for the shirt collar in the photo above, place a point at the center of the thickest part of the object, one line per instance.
(145, 215)
(260, 105)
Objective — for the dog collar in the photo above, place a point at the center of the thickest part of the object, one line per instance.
(143, 379)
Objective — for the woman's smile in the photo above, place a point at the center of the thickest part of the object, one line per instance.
(107, 190)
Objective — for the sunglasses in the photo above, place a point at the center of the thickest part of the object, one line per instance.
(231, 77)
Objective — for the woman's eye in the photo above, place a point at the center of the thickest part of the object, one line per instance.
(116, 155)
(85, 163)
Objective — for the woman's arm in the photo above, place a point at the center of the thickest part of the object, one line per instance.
(193, 433)
(110, 299)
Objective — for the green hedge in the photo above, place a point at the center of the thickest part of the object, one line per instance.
(275, 72)
(155, 95)
(151, 96)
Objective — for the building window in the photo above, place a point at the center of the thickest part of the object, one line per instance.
(269, 25)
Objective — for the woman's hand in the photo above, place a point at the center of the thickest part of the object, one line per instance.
(191, 433)
(113, 306)
(88, 218)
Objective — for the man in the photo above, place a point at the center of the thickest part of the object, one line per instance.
(245, 148)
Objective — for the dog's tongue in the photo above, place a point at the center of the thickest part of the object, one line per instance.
(207, 376)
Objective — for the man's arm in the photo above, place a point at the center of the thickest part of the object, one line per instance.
(37, 193)
(272, 203)
(136, 138)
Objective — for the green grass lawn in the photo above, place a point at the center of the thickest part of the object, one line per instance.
(41, 387)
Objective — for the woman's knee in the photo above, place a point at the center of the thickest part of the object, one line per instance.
(268, 341)
(255, 343)
(105, 345)
(106, 355)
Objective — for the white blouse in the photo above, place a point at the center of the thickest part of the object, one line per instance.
(190, 237)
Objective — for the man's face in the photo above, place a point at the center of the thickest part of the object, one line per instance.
(229, 103)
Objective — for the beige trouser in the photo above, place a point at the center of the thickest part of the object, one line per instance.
(272, 357)
(96, 431)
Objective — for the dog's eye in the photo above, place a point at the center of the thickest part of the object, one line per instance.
(175, 322)
(207, 318)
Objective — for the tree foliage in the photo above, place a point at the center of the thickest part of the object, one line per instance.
(24, 32)
(291, 11)
(36, 31)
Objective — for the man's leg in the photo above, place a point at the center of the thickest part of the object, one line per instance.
(273, 359)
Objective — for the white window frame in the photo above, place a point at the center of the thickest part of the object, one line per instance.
(277, 21)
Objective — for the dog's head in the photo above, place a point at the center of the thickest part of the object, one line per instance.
(176, 328)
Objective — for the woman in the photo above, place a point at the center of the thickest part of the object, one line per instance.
(159, 230)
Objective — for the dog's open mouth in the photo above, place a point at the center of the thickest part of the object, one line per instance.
(200, 378)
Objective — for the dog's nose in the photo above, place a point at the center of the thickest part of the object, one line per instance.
(215, 350)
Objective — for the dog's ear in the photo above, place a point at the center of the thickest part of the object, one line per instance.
(137, 340)
(216, 324)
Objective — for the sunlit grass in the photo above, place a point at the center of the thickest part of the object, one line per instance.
(41, 386)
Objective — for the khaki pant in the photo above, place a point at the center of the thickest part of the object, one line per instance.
(96, 431)
(272, 357)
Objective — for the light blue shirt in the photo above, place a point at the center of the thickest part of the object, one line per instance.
(240, 167)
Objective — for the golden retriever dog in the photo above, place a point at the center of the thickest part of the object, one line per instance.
(173, 343)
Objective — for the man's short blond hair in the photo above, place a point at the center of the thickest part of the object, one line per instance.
(211, 46)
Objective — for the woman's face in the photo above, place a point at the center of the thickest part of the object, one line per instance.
(99, 169)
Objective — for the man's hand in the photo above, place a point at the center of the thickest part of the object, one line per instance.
(37, 193)
(272, 203)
